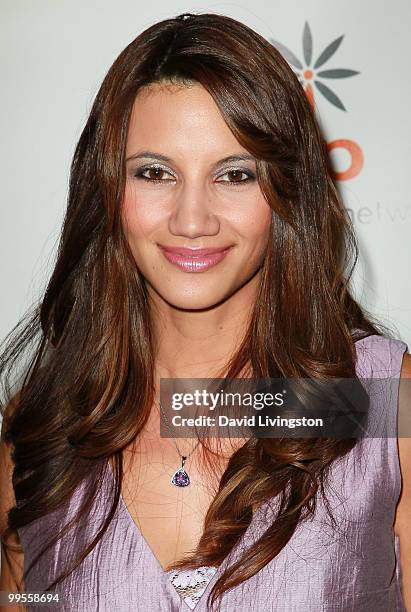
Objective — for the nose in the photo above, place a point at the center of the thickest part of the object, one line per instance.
(193, 214)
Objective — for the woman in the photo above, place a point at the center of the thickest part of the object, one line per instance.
(203, 238)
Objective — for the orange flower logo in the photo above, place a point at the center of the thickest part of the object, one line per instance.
(309, 75)
(311, 78)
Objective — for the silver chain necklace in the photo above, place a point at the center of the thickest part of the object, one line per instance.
(180, 477)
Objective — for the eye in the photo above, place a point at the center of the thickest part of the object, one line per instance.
(153, 174)
(239, 177)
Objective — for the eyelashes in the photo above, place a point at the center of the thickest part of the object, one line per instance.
(243, 176)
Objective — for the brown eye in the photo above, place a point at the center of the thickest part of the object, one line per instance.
(236, 174)
(153, 174)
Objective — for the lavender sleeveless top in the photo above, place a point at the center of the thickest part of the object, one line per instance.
(353, 566)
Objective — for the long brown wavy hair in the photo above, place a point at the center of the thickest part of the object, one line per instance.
(90, 338)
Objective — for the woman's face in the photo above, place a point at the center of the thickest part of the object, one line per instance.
(183, 192)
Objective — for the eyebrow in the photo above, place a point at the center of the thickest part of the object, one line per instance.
(164, 158)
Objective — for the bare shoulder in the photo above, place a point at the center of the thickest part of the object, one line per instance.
(406, 366)
(404, 445)
(12, 564)
(402, 523)
(404, 406)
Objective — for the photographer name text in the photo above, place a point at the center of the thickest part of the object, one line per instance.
(245, 421)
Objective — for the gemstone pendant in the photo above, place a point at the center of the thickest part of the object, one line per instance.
(180, 478)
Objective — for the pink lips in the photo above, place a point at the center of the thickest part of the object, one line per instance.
(194, 260)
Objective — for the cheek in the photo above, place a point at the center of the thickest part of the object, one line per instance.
(254, 223)
(258, 233)
(262, 220)
(139, 219)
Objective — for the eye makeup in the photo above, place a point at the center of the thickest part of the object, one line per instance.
(143, 170)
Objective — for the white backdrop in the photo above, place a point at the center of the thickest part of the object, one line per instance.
(55, 53)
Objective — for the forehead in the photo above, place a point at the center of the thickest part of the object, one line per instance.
(179, 119)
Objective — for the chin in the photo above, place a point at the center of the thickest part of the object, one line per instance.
(196, 300)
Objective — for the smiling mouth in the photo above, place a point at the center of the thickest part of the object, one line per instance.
(194, 260)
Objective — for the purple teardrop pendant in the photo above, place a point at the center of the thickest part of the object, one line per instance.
(180, 478)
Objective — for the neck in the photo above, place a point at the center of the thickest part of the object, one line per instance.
(199, 343)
